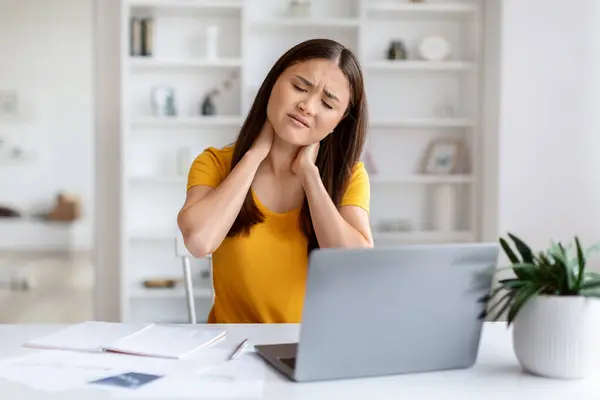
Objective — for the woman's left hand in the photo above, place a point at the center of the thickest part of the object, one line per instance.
(305, 159)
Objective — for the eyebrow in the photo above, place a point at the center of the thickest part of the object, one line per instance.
(309, 83)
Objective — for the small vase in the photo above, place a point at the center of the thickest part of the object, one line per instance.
(557, 336)
(397, 51)
(208, 106)
(300, 8)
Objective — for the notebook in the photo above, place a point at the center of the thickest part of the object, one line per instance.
(167, 341)
(87, 336)
(136, 339)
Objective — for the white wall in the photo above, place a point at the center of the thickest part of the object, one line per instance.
(549, 139)
(46, 55)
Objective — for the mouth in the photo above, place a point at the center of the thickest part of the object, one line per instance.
(299, 119)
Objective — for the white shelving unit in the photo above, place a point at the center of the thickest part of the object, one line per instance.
(411, 102)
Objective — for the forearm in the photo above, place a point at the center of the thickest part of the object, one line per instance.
(331, 229)
(205, 223)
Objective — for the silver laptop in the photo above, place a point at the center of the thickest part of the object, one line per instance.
(383, 311)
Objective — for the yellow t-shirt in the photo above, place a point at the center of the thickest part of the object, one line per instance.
(261, 278)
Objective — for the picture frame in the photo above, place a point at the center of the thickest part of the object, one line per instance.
(442, 156)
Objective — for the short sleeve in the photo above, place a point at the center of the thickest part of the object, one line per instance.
(210, 167)
(358, 190)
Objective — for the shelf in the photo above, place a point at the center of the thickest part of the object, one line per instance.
(153, 234)
(150, 62)
(425, 8)
(22, 161)
(188, 4)
(212, 121)
(178, 180)
(424, 123)
(423, 179)
(418, 65)
(140, 292)
(308, 22)
(424, 236)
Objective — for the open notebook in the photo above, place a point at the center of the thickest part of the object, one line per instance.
(150, 340)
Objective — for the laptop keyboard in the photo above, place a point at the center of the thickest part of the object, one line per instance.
(290, 362)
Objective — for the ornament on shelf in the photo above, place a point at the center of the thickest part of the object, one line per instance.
(445, 208)
(442, 156)
(208, 106)
(300, 8)
(434, 48)
(397, 50)
(212, 42)
(163, 101)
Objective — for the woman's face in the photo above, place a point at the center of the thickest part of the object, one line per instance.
(308, 100)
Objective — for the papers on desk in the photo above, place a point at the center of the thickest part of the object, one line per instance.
(240, 378)
(149, 359)
(144, 340)
(205, 374)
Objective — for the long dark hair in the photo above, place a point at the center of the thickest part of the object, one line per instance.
(338, 152)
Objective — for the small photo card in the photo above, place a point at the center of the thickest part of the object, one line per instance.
(130, 380)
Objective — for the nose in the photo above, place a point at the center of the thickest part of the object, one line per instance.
(308, 105)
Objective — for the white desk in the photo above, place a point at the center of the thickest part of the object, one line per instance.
(496, 375)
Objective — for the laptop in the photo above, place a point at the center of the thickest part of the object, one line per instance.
(390, 310)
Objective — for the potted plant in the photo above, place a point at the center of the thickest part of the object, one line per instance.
(553, 305)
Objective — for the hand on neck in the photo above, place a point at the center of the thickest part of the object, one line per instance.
(280, 158)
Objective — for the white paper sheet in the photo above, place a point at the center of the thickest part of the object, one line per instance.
(57, 370)
(243, 377)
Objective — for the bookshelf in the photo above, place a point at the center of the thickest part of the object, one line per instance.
(413, 103)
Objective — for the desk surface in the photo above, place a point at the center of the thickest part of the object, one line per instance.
(496, 375)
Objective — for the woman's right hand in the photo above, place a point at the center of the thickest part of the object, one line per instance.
(262, 144)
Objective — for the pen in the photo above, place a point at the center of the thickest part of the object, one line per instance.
(238, 350)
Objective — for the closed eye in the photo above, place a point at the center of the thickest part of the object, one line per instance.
(299, 88)
(327, 105)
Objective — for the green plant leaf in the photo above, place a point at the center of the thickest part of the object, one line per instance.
(490, 296)
(592, 249)
(581, 263)
(592, 292)
(508, 251)
(570, 278)
(506, 305)
(591, 285)
(496, 304)
(523, 248)
(521, 298)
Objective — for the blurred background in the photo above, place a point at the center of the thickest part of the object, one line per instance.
(483, 120)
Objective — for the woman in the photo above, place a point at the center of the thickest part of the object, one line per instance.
(291, 182)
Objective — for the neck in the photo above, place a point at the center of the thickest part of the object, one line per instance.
(281, 157)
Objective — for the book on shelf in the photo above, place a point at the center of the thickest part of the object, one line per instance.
(141, 37)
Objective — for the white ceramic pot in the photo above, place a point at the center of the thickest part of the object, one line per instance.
(558, 336)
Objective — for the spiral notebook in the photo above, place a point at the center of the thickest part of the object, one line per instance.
(150, 340)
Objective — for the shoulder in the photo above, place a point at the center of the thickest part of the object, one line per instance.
(358, 188)
(359, 171)
(211, 166)
(222, 156)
